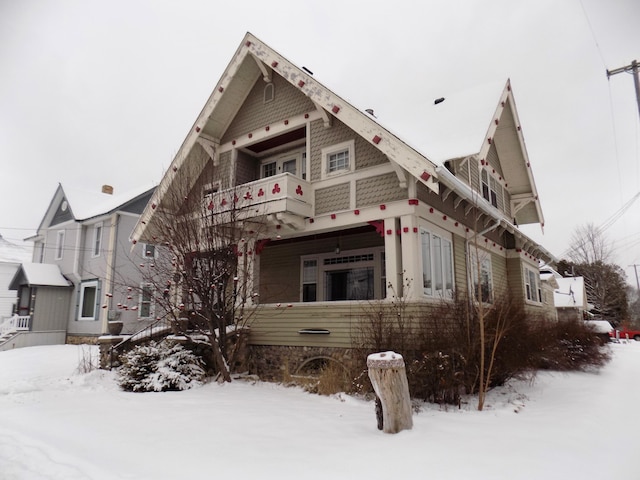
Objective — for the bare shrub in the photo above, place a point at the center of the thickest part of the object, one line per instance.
(88, 360)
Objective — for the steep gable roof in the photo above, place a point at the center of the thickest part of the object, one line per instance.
(462, 125)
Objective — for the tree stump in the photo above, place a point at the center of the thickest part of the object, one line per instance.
(389, 380)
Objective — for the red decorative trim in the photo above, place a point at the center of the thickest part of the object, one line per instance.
(274, 64)
(333, 216)
(444, 217)
(489, 140)
(335, 109)
(383, 207)
(405, 229)
(306, 115)
(431, 210)
(221, 89)
(413, 201)
(377, 139)
(276, 189)
(301, 83)
(261, 193)
(197, 129)
(299, 190)
(248, 43)
(233, 142)
(389, 232)
(286, 122)
(415, 229)
(311, 220)
(425, 176)
(267, 128)
(356, 212)
(250, 135)
(455, 224)
(497, 121)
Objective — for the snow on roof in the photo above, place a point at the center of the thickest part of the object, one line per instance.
(43, 274)
(87, 204)
(570, 292)
(599, 326)
(13, 253)
(453, 128)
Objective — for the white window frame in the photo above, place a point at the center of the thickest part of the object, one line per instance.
(149, 287)
(349, 147)
(486, 267)
(532, 293)
(83, 288)
(439, 264)
(297, 155)
(322, 269)
(59, 245)
(493, 187)
(96, 246)
(145, 253)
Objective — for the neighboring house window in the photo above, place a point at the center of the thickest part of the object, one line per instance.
(88, 299)
(345, 276)
(97, 240)
(490, 187)
(481, 274)
(145, 309)
(437, 265)
(532, 285)
(148, 250)
(338, 159)
(59, 244)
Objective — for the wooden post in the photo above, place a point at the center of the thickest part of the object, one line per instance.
(389, 380)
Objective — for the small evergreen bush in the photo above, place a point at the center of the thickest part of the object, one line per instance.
(159, 367)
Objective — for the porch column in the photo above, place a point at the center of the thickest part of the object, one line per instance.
(411, 259)
(393, 258)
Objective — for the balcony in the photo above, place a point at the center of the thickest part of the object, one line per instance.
(279, 197)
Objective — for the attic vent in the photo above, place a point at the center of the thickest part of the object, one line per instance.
(269, 92)
(108, 189)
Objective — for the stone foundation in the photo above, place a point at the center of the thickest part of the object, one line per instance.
(275, 363)
(82, 339)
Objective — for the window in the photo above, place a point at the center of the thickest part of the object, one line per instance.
(309, 280)
(352, 275)
(88, 299)
(59, 244)
(490, 188)
(338, 159)
(97, 240)
(148, 250)
(145, 309)
(269, 92)
(532, 285)
(290, 162)
(482, 275)
(437, 264)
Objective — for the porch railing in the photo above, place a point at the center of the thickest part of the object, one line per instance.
(13, 324)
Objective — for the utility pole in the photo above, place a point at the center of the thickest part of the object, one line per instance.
(635, 269)
(632, 67)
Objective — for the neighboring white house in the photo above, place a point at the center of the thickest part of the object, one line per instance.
(11, 256)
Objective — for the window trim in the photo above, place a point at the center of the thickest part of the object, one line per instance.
(97, 240)
(486, 257)
(151, 301)
(284, 157)
(436, 233)
(321, 270)
(493, 187)
(326, 152)
(84, 285)
(59, 252)
(144, 250)
(536, 291)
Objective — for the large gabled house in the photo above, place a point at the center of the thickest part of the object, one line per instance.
(353, 213)
(83, 272)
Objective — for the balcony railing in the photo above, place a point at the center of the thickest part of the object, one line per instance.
(284, 193)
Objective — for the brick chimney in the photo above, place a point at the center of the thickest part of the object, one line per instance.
(108, 189)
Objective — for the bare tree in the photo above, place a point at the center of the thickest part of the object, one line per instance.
(204, 278)
(589, 245)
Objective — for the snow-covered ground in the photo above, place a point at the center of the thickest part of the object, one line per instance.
(56, 423)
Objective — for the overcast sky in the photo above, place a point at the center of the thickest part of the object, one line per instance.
(95, 93)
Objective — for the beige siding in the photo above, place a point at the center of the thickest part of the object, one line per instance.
(494, 161)
(366, 155)
(461, 170)
(460, 264)
(475, 176)
(499, 274)
(256, 114)
(332, 199)
(246, 168)
(380, 189)
(280, 263)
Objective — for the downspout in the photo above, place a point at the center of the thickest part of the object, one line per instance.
(111, 270)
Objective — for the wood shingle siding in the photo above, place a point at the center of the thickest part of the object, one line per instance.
(380, 189)
(256, 114)
(333, 199)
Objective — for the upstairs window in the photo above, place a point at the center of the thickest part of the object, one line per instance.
(59, 244)
(97, 240)
(338, 159)
(490, 188)
(148, 250)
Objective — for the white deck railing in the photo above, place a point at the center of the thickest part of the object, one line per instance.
(15, 323)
